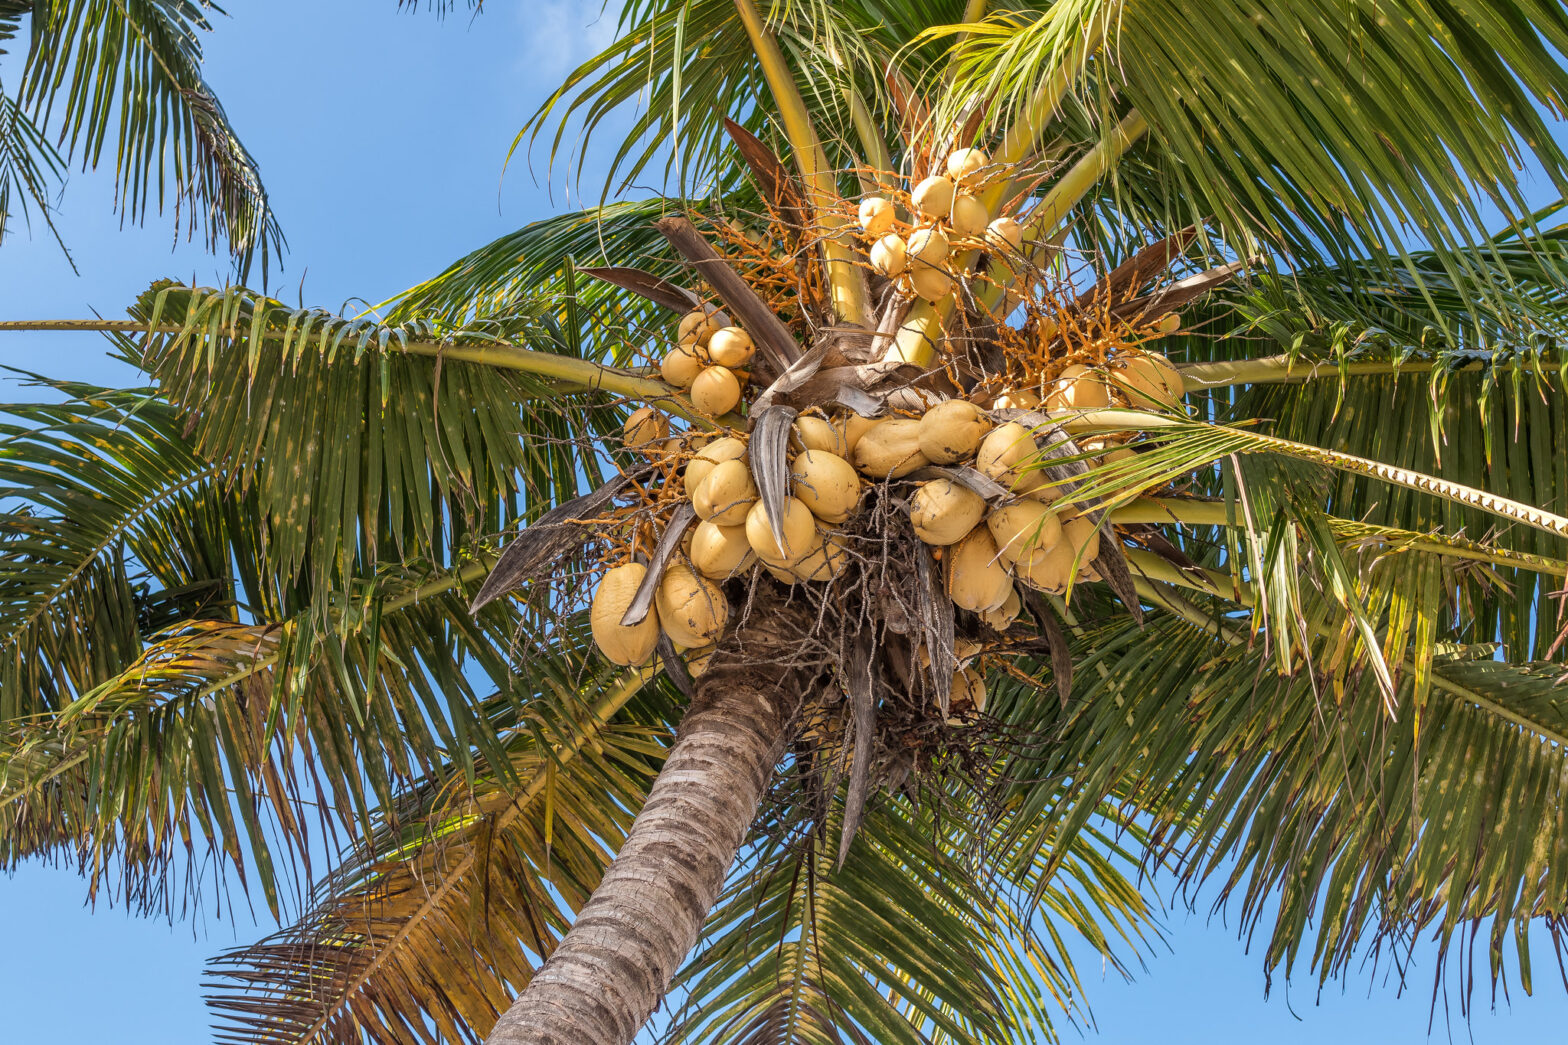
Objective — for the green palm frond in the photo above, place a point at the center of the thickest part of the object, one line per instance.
(30, 168)
(441, 916)
(125, 76)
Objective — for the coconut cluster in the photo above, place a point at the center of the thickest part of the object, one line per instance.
(709, 360)
(947, 213)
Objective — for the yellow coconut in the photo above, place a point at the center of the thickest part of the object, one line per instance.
(1148, 379)
(715, 391)
(1018, 399)
(697, 660)
(1002, 453)
(1047, 569)
(969, 217)
(943, 511)
(725, 448)
(968, 690)
(1082, 535)
(645, 430)
(1022, 528)
(928, 248)
(963, 164)
(890, 255)
(619, 643)
(889, 450)
(825, 483)
(719, 551)
(681, 367)
(692, 609)
(697, 325)
(951, 431)
(933, 198)
(1002, 618)
(731, 347)
(1168, 323)
(823, 563)
(854, 427)
(930, 284)
(800, 534)
(1005, 234)
(876, 216)
(976, 579)
(726, 494)
(815, 433)
(1079, 388)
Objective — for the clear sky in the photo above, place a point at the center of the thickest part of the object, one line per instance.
(382, 139)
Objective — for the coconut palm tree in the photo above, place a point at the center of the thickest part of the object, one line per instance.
(125, 75)
(1127, 485)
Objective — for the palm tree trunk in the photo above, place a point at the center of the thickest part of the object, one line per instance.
(615, 965)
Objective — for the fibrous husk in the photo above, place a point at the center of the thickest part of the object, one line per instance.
(969, 217)
(1003, 452)
(681, 367)
(815, 433)
(890, 255)
(620, 643)
(1005, 234)
(943, 511)
(962, 164)
(645, 430)
(826, 483)
(1048, 569)
(1002, 618)
(951, 431)
(889, 450)
(1023, 528)
(932, 284)
(1148, 379)
(726, 495)
(928, 248)
(1082, 534)
(715, 391)
(976, 579)
(876, 216)
(719, 551)
(968, 694)
(822, 564)
(725, 448)
(933, 198)
(800, 534)
(692, 609)
(1079, 388)
(853, 427)
(697, 326)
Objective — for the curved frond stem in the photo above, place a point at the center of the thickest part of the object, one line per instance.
(1217, 584)
(846, 285)
(1283, 369)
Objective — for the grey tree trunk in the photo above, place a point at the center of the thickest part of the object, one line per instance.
(615, 965)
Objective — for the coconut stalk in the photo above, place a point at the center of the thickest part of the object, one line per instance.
(846, 285)
(1282, 369)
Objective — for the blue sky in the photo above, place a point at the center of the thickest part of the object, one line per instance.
(382, 139)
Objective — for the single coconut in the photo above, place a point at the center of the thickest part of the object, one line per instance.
(622, 644)
(854, 427)
(968, 690)
(1168, 323)
(731, 347)
(1022, 528)
(951, 431)
(1148, 379)
(890, 255)
(876, 216)
(930, 284)
(825, 483)
(933, 198)
(692, 609)
(1005, 234)
(645, 430)
(681, 367)
(969, 216)
(715, 391)
(815, 433)
(1018, 399)
(943, 511)
(697, 661)
(889, 450)
(1002, 618)
(719, 551)
(725, 448)
(1082, 535)
(965, 163)
(928, 248)
(976, 578)
(1078, 388)
(800, 533)
(726, 495)
(823, 563)
(1004, 449)
(697, 325)
(1047, 570)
